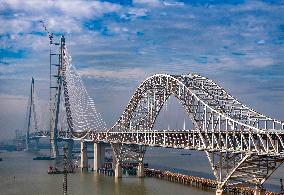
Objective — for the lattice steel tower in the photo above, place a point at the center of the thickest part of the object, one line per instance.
(58, 95)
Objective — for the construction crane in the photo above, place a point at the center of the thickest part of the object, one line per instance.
(50, 35)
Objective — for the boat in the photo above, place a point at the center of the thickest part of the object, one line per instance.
(43, 158)
(185, 154)
(0, 159)
(55, 170)
(51, 172)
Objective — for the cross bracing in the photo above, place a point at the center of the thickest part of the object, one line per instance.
(243, 146)
(208, 105)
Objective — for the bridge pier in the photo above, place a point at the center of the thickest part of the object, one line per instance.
(113, 162)
(118, 170)
(219, 191)
(37, 144)
(27, 142)
(84, 156)
(99, 156)
(70, 149)
(54, 147)
(259, 191)
(140, 169)
(120, 152)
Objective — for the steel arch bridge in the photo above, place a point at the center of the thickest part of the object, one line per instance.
(243, 146)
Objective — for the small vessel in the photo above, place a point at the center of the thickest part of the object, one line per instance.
(55, 170)
(185, 154)
(43, 158)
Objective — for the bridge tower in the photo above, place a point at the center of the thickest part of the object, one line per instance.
(58, 95)
(32, 116)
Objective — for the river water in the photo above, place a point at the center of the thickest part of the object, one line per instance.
(31, 177)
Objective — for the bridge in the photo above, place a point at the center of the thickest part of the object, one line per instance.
(243, 146)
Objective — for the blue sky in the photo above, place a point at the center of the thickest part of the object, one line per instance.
(115, 45)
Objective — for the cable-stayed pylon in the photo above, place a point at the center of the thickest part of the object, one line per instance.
(73, 111)
(33, 118)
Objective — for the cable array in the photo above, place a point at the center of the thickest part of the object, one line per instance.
(84, 115)
(38, 113)
(33, 120)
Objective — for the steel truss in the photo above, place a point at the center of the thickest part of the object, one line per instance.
(61, 95)
(237, 142)
(243, 146)
(244, 169)
(224, 126)
(128, 152)
(208, 105)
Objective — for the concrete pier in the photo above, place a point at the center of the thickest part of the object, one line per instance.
(118, 170)
(84, 156)
(113, 162)
(70, 149)
(37, 144)
(219, 191)
(27, 146)
(140, 170)
(99, 156)
(259, 191)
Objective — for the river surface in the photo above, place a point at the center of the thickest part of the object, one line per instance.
(31, 177)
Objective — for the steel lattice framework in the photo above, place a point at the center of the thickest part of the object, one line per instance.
(244, 147)
(208, 105)
(73, 111)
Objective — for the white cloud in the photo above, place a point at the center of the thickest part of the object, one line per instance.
(86, 9)
(76, 9)
(252, 6)
(171, 39)
(129, 73)
(173, 3)
(28, 5)
(101, 53)
(61, 16)
(6, 69)
(158, 3)
(138, 12)
(64, 24)
(261, 62)
(14, 25)
(153, 3)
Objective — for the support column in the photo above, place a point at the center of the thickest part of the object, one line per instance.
(37, 144)
(84, 156)
(70, 149)
(27, 142)
(113, 162)
(54, 147)
(118, 171)
(219, 191)
(259, 191)
(140, 170)
(99, 156)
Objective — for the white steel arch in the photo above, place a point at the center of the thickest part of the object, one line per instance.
(209, 106)
(244, 147)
